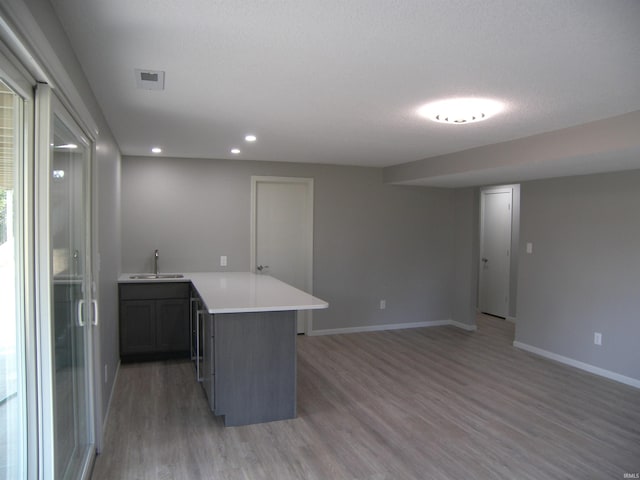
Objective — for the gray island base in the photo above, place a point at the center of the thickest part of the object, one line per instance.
(255, 365)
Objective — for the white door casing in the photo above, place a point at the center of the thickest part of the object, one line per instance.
(496, 208)
(282, 233)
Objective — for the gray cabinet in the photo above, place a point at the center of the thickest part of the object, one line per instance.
(249, 366)
(172, 327)
(154, 320)
(137, 326)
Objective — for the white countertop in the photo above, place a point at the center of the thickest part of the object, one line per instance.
(235, 292)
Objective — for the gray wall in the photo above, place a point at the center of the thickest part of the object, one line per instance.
(371, 241)
(108, 162)
(584, 273)
(467, 235)
(108, 184)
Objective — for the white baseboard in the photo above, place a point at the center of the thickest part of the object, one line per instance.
(633, 382)
(463, 326)
(113, 389)
(391, 326)
(378, 328)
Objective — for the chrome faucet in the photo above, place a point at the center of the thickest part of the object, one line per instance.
(156, 256)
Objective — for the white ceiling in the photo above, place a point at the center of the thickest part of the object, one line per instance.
(338, 82)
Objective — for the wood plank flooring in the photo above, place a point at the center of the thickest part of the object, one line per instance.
(430, 403)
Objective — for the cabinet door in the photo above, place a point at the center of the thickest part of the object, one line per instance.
(172, 327)
(137, 326)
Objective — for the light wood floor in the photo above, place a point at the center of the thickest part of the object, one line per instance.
(431, 403)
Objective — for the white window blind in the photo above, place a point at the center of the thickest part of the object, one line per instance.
(7, 137)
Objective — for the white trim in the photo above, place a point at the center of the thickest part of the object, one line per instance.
(21, 85)
(255, 179)
(43, 284)
(28, 187)
(633, 382)
(13, 73)
(463, 326)
(19, 50)
(391, 326)
(497, 189)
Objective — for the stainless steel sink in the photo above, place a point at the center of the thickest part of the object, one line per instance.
(153, 276)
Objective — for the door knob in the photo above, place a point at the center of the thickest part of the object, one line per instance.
(485, 260)
(260, 268)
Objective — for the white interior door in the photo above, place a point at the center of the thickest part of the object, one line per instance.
(282, 224)
(495, 254)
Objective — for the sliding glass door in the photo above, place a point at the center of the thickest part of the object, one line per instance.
(64, 238)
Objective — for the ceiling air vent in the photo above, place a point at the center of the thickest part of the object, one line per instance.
(150, 79)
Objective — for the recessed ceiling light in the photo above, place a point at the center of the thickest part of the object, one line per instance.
(156, 150)
(235, 151)
(250, 138)
(460, 111)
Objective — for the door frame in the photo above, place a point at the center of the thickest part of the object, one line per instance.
(47, 104)
(490, 190)
(255, 179)
(22, 84)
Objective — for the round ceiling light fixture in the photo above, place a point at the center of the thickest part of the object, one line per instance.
(235, 151)
(460, 111)
(156, 150)
(250, 138)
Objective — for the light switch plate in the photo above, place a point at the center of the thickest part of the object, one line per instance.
(529, 247)
(223, 260)
(597, 338)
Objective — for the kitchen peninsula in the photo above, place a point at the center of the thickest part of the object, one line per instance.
(243, 330)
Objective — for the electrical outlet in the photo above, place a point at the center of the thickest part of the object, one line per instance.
(597, 338)
(383, 304)
(223, 260)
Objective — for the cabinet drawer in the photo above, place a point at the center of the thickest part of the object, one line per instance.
(138, 291)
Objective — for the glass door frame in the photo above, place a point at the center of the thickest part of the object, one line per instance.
(17, 79)
(48, 105)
